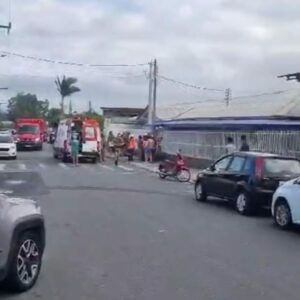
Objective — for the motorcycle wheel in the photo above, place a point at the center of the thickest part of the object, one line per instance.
(183, 175)
(161, 173)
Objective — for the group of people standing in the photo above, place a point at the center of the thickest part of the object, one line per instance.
(231, 147)
(145, 147)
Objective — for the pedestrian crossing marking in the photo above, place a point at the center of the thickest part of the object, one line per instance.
(125, 168)
(62, 165)
(42, 166)
(106, 167)
(2, 167)
(22, 166)
(145, 166)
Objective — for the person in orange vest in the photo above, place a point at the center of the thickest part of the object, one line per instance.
(131, 147)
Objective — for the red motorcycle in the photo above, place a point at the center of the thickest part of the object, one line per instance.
(177, 169)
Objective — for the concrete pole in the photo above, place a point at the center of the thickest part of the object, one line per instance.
(150, 95)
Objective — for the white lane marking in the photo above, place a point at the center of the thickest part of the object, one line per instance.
(125, 168)
(42, 166)
(2, 167)
(145, 166)
(22, 166)
(85, 166)
(62, 165)
(106, 167)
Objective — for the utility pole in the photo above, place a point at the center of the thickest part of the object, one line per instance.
(90, 107)
(227, 96)
(292, 76)
(7, 27)
(155, 71)
(70, 107)
(150, 95)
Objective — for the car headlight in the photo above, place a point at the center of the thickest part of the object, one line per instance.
(37, 139)
(12, 147)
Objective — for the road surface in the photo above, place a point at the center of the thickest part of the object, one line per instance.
(120, 233)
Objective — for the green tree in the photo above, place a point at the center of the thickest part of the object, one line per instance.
(27, 106)
(53, 116)
(66, 87)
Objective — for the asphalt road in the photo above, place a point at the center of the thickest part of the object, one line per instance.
(122, 233)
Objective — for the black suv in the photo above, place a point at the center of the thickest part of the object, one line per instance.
(246, 179)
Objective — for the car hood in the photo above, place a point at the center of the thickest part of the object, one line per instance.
(9, 202)
(289, 182)
(7, 145)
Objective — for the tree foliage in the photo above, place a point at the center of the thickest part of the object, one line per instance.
(53, 116)
(66, 87)
(27, 106)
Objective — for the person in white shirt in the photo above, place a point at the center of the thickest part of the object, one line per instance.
(230, 147)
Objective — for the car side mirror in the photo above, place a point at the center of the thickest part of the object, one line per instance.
(212, 168)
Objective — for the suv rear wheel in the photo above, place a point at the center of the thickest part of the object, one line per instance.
(282, 214)
(26, 262)
(243, 204)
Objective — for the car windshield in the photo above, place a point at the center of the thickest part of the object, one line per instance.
(28, 129)
(281, 167)
(5, 139)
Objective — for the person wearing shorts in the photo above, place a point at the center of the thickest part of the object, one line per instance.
(75, 149)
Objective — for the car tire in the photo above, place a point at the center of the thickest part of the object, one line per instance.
(18, 278)
(282, 214)
(244, 204)
(200, 193)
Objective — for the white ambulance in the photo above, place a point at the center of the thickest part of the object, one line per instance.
(89, 135)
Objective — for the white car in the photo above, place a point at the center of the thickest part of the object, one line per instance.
(286, 204)
(8, 147)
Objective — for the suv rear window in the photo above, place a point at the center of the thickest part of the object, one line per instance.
(279, 167)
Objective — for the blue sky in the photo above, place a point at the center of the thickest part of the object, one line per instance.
(217, 43)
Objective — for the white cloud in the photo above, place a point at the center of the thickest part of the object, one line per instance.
(216, 43)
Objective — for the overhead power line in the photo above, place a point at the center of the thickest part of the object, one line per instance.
(52, 61)
(188, 84)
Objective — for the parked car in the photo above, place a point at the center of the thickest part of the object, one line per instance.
(22, 242)
(8, 147)
(246, 179)
(286, 205)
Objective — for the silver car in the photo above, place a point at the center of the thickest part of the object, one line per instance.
(22, 242)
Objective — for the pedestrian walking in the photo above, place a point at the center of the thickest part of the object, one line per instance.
(118, 145)
(244, 147)
(102, 148)
(149, 145)
(141, 148)
(74, 149)
(110, 142)
(131, 147)
(146, 148)
(230, 147)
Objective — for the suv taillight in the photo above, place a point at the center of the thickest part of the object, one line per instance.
(65, 145)
(259, 163)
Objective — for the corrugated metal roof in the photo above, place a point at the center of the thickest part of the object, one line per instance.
(284, 104)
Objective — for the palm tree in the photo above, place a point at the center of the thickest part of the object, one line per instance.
(66, 88)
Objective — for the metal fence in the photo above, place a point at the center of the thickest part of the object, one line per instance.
(211, 144)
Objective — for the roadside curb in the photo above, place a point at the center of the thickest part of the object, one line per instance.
(154, 169)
